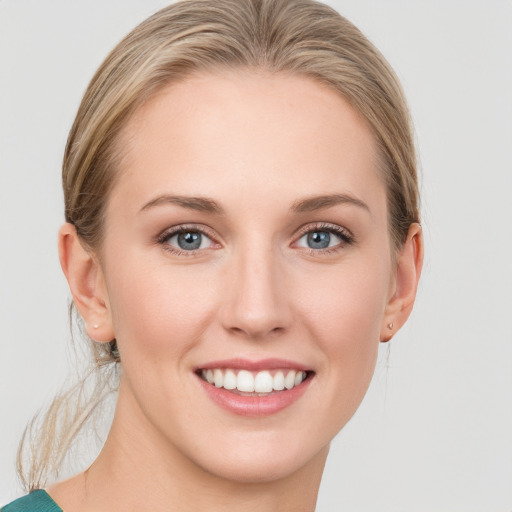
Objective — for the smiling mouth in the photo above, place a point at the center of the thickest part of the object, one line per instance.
(249, 383)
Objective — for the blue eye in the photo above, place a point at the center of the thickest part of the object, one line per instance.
(324, 238)
(318, 239)
(188, 240)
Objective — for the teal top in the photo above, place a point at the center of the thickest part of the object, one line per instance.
(36, 501)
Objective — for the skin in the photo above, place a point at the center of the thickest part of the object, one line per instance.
(258, 145)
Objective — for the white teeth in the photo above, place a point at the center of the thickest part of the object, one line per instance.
(230, 379)
(289, 380)
(247, 382)
(263, 382)
(218, 378)
(278, 383)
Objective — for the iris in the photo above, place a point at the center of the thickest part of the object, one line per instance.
(319, 239)
(189, 240)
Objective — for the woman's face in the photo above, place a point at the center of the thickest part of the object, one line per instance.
(246, 243)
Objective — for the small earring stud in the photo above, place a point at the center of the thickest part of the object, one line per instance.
(390, 326)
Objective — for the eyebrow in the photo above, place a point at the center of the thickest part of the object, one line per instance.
(205, 204)
(314, 203)
(199, 204)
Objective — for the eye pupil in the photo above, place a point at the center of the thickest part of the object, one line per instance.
(189, 240)
(319, 239)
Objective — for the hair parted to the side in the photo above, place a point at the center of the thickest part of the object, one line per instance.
(278, 36)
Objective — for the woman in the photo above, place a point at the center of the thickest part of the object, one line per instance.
(242, 230)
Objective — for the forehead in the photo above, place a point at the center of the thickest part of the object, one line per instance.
(211, 134)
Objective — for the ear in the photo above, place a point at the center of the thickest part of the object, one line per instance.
(407, 275)
(85, 278)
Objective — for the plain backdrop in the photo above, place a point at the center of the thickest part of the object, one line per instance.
(435, 430)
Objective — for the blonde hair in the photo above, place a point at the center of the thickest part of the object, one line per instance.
(280, 36)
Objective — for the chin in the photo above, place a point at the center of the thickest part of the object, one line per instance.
(255, 462)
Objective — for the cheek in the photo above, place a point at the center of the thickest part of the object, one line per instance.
(159, 310)
(344, 315)
(346, 305)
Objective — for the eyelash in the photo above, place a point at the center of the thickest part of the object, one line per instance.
(344, 234)
(186, 228)
(347, 238)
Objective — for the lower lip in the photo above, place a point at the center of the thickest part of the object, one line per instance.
(255, 405)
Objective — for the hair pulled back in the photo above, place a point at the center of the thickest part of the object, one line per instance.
(278, 36)
(288, 36)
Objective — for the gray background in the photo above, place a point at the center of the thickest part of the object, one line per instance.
(435, 430)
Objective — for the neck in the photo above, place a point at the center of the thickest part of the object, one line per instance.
(138, 469)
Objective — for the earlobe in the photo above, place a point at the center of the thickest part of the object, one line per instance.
(86, 283)
(408, 271)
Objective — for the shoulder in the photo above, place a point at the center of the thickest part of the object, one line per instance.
(36, 501)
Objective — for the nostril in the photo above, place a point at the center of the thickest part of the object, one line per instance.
(257, 332)
(255, 302)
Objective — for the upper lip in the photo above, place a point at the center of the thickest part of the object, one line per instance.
(261, 364)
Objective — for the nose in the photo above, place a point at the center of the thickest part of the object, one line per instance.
(256, 303)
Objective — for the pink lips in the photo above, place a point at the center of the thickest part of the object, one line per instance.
(255, 366)
(257, 404)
